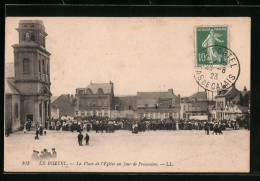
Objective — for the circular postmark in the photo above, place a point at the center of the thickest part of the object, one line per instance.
(219, 68)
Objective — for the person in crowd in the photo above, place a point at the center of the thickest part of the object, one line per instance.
(54, 153)
(37, 134)
(87, 139)
(24, 128)
(80, 138)
(41, 130)
(35, 155)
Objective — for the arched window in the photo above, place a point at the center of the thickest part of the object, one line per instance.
(100, 91)
(43, 66)
(89, 91)
(26, 65)
(16, 111)
(117, 107)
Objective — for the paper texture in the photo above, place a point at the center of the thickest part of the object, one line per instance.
(147, 70)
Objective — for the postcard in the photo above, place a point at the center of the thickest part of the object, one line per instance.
(127, 94)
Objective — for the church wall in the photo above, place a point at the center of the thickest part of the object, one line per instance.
(27, 87)
(8, 109)
(16, 121)
(19, 60)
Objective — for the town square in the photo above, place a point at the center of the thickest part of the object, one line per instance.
(120, 95)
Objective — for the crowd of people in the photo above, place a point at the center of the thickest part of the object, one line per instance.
(100, 125)
(45, 154)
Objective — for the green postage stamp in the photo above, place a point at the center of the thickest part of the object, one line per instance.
(208, 41)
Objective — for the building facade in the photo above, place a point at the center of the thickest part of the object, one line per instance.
(28, 90)
(158, 105)
(196, 106)
(231, 104)
(95, 100)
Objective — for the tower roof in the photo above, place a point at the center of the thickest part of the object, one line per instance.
(32, 22)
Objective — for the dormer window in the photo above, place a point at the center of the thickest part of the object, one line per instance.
(89, 91)
(100, 91)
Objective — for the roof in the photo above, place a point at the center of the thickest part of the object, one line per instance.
(125, 102)
(53, 98)
(243, 108)
(9, 69)
(199, 96)
(152, 98)
(107, 87)
(231, 93)
(9, 86)
(64, 104)
(32, 21)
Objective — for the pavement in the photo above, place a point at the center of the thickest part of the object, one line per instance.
(123, 151)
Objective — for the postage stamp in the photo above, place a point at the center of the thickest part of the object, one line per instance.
(206, 40)
(217, 67)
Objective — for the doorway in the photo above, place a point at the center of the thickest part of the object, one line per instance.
(30, 117)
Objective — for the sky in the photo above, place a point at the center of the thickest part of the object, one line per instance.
(136, 54)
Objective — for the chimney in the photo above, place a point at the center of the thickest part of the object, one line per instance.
(170, 91)
(245, 89)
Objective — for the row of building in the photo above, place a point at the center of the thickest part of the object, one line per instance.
(28, 96)
(98, 99)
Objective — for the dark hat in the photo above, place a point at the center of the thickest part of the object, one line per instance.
(45, 150)
(34, 150)
(53, 149)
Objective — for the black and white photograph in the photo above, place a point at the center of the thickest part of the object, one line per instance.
(127, 94)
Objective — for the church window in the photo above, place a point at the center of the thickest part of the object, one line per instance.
(40, 66)
(100, 91)
(43, 42)
(40, 109)
(16, 111)
(26, 65)
(33, 37)
(43, 67)
(47, 68)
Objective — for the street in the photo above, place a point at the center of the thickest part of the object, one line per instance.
(152, 151)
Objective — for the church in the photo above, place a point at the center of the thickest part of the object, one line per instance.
(27, 80)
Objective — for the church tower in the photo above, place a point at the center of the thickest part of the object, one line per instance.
(32, 71)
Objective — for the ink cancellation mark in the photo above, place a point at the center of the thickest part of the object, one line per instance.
(220, 76)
